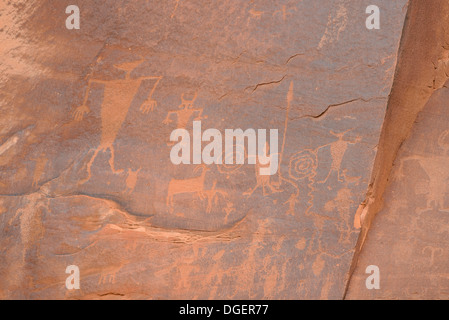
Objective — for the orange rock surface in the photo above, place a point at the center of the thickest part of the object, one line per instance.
(86, 177)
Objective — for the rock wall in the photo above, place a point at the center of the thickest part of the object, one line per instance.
(406, 239)
(86, 117)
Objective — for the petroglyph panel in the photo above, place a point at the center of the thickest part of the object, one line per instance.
(86, 177)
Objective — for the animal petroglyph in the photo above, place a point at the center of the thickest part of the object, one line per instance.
(192, 185)
(118, 96)
(108, 275)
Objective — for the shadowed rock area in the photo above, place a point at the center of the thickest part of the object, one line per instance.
(86, 117)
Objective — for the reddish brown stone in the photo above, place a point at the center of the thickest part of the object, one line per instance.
(86, 177)
(409, 237)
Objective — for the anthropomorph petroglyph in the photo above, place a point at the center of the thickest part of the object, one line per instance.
(264, 181)
(118, 96)
(267, 183)
(213, 196)
(338, 150)
(185, 112)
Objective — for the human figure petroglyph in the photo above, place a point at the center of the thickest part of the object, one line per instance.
(213, 196)
(118, 96)
(264, 181)
(338, 150)
(304, 164)
(183, 186)
(185, 112)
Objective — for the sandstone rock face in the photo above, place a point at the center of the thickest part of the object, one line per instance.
(409, 238)
(406, 239)
(86, 117)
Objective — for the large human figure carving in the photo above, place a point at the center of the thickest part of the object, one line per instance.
(118, 96)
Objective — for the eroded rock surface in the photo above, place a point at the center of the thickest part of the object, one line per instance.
(400, 240)
(409, 238)
(86, 116)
